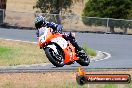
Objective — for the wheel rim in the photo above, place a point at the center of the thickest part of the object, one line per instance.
(84, 56)
(86, 59)
(57, 56)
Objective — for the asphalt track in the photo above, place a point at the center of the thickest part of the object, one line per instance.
(119, 46)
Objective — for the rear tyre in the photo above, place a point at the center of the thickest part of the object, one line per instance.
(83, 58)
(55, 58)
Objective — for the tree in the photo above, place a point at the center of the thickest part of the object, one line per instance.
(54, 6)
(119, 9)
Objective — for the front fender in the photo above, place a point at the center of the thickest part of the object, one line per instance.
(52, 46)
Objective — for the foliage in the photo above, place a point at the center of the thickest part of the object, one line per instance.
(89, 51)
(119, 9)
(54, 6)
(108, 8)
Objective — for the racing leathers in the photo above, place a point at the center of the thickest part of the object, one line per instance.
(58, 28)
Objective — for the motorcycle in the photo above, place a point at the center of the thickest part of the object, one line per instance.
(59, 51)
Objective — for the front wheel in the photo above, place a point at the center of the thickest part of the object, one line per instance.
(56, 58)
(83, 58)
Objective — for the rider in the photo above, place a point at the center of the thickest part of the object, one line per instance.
(40, 21)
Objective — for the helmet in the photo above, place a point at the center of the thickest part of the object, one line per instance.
(39, 21)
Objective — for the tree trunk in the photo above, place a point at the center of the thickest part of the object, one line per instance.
(3, 6)
(125, 31)
(58, 9)
(112, 29)
(56, 17)
(56, 12)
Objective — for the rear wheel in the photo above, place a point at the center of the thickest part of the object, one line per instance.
(56, 58)
(83, 58)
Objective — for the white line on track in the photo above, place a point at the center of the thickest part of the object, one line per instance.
(107, 56)
(19, 41)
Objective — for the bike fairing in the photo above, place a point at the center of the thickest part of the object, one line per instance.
(41, 24)
(50, 43)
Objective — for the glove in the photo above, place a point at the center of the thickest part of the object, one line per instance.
(59, 28)
(37, 34)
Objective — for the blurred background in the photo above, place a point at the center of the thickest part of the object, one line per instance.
(21, 14)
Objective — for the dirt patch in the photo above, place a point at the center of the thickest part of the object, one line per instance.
(49, 80)
(21, 5)
(33, 80)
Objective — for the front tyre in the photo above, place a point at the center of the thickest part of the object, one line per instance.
(55, 58)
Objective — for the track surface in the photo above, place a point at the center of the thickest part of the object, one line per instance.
(119, 46)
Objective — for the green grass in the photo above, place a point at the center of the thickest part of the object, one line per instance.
(7, 55)
(18, 53)
(89, 51)
(43, 85)
(109, 86)
(8, 85)
(69, 85)
(5, 52)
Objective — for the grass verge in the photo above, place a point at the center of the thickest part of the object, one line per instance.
(89, 51)
(17, 53)
(5, 52)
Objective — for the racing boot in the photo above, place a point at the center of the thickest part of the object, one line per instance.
(74, 43)
(70, 37)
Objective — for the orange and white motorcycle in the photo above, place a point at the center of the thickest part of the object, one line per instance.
(59, 51)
